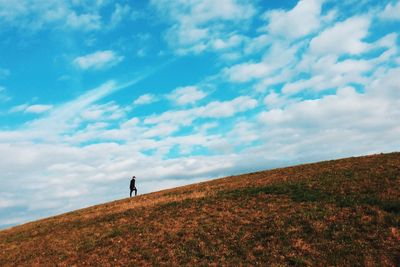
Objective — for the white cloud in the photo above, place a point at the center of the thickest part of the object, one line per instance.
(387, 85)
(232, 41)
(184, 117)
(317, 58)
(328, 73)
(67, 118)
(19, 108)
(201, 25)
(204, 11)
(120, 12)
(279, 58)
(297, 86)
(302, 20)
(347, 123)
(6, 202)
(272, 99)
(3, 95)
(214, 109)
(186, 95)
(9, 11)
(51, 14)
(160, 130)
(268, 83)
(345, 37)
(373, 111)
(103, 112)
(281, 55)
(145, 99)
(243, 132)
(245, 72)
(224, 109)
(98, 60)
(391, 12)
(275, 100)
(258, 43)
(87, 22)
(36, 109)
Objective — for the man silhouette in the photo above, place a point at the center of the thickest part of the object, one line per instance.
(132, 186)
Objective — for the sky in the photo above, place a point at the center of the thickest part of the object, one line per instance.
(182, 91)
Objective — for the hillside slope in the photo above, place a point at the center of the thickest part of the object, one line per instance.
(343, 212)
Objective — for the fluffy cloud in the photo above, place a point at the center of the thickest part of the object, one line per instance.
(98, 60)
(214, 109)
(201, 25)
(391, 12)
(328, 73)
(41, 14)
(218, 109)
(300, 21)
(245, 72)
(278, 58)
(318, 59)
(387, 85)
(104, 112)
(275, 100)
(87, 22)
(359, 126)
(145, 99)
(344, 37)
(233, 41)
(74, 15)
(186, 95)
(375, 109)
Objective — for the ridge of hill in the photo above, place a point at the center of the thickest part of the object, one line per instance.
(335, 213)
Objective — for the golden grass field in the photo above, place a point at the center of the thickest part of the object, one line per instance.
(334, 213)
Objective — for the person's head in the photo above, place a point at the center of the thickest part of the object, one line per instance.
(133, 177)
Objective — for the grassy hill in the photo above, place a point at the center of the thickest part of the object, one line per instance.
(335, 213)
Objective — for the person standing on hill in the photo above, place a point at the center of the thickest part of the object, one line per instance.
(133, 186)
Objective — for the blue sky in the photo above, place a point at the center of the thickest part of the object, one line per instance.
(176, 92)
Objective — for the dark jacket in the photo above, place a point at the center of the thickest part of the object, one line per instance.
(132, 186)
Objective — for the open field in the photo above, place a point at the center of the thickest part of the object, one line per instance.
(335, 213)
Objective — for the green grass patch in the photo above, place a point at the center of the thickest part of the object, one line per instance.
(87, 245)
(177, 205)
(303, 192)
(115, 233)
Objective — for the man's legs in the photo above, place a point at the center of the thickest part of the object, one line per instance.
(130, 194)
(135, 192)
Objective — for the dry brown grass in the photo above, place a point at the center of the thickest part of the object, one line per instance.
(334, 213)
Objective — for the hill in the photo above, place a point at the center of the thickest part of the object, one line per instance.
(335, 213)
